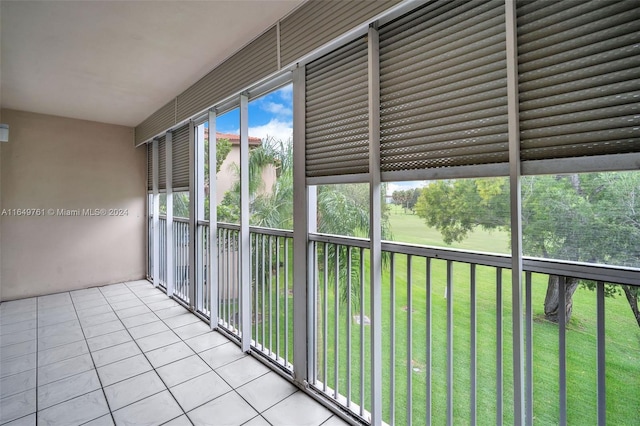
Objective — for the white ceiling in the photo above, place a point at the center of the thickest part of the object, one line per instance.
(118, 61)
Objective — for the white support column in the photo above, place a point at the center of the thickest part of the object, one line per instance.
(212, 278)
(245, 238)
(303, 205)
(155, 214)
(516, 210)
(199, 216)
(199, 177)
(312, 227)
(375, 230)
(171, 268)
(193, 210)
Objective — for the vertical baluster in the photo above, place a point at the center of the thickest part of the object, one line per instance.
(449, 342)
(270, 271)
(202, 293)
(278, 354)
(473, 335)
(325, 317)
(600, 317)
(499, 345)
(529, 351)
(181, 254)
(177, 255)
(236, 286)
(316, 301)
(262, 308)
(256, 260)
(562, 352)
(286, 301)
(392, 347)
(184, 263)
(233, 266)
(409, 340)
(362, 343)
(336, 321)
(348, 325)
(230, 273)
(428, 345)
(221, 269)
(221, 274)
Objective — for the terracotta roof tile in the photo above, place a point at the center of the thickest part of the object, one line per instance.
(233, 138)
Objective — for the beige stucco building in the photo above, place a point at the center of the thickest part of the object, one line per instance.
(227, 175)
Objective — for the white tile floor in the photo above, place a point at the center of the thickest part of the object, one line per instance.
(124, 354)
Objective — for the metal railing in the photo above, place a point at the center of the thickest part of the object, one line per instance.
(150, 248)
(229, 307)
(162, 251)
(271, 290)
(446, 325)
(203, 302)
(181, 258)
(340, 314)
(447, 334)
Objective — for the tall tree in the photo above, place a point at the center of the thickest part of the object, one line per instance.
(406, 198)
(587, 218)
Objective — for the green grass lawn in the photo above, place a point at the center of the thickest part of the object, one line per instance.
(622, 341)
(407, 227)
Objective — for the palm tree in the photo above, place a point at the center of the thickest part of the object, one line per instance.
(342, 209)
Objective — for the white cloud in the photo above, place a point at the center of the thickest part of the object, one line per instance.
(233, 131)
(280, 130)
(275, 108)
(286, 93)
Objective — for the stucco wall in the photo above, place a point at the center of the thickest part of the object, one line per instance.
(226, 177)
(56, 164)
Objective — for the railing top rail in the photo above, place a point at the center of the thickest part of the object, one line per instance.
(271, 231)
(232, 226)
(340, 239)
(181, 219)
(466, 256)
(253, 229)
(587, 271)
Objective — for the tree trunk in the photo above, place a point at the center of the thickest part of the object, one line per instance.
(552, 299)
(632, 298)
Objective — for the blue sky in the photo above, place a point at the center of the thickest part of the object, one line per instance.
(270, 115)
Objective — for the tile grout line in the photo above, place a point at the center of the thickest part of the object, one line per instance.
(36, 388)
(234, 389)
(93, 361)
(184, 413)
(145, 356)
(63, 378)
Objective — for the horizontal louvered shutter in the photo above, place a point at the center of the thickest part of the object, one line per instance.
(579, 78)
(162, 163)
(180, 163)
(443, 87)
(255, 61)
(336, 127)
(158, 122)
(318, 22)
(150, 166)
